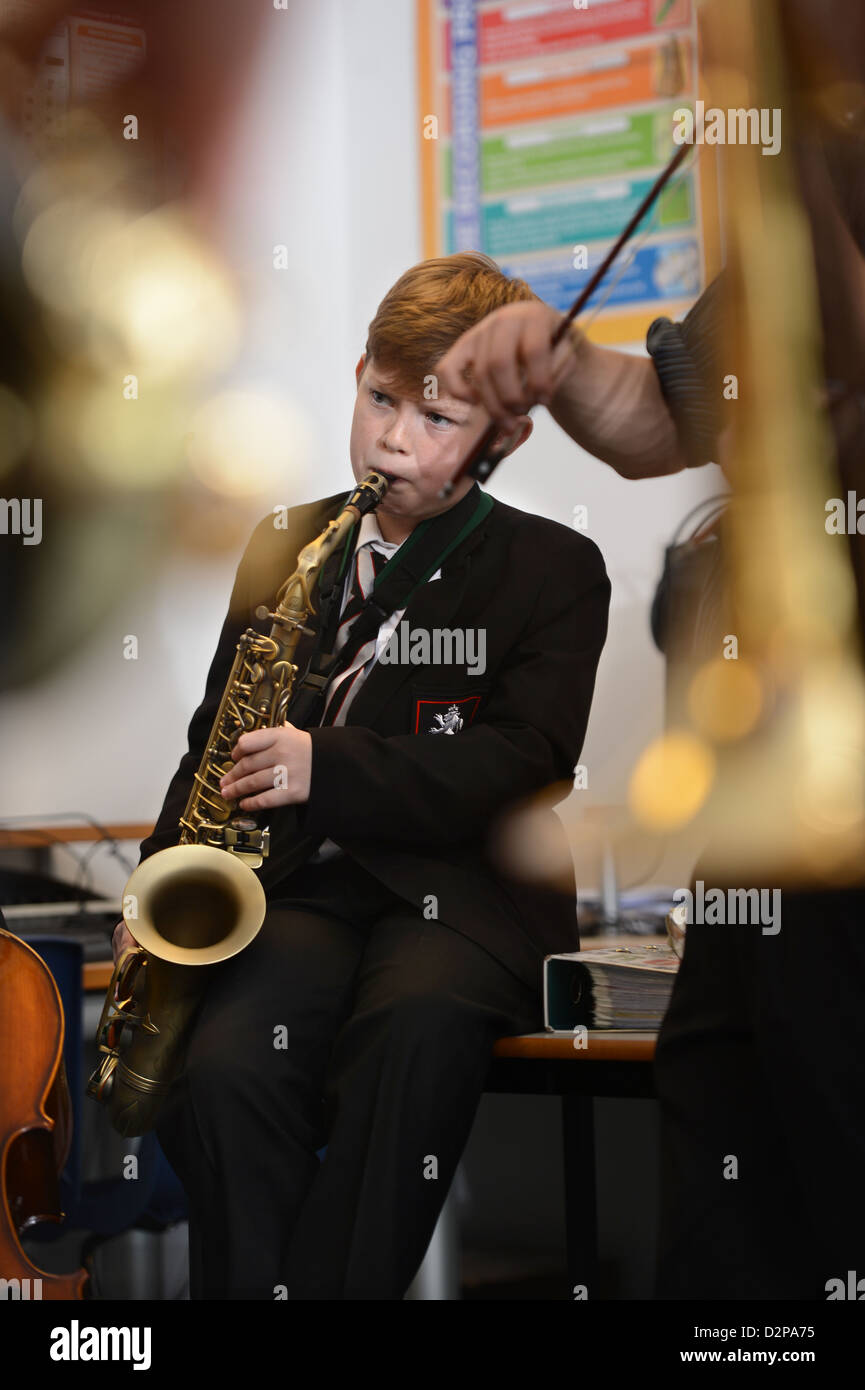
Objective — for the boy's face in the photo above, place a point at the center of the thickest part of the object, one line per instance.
(418, 443)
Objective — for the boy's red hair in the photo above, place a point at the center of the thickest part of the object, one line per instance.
(429, 307)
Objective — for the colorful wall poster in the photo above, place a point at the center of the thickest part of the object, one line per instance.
(104, 49)
(551, 122)
(84, 54)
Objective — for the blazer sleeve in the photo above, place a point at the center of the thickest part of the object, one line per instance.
(529, 735)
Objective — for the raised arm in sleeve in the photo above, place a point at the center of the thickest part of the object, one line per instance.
(686, 359)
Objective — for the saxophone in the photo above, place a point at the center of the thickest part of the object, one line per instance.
(199, 901)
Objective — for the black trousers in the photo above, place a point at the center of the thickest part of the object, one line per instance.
(760, 1070)
(351, 1021)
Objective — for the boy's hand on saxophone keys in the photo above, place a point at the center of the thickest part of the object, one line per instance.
(273, 767)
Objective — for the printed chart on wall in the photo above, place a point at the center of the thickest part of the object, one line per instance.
(85, 53)
(543, 125)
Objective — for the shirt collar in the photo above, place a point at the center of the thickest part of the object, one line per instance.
(369, 533)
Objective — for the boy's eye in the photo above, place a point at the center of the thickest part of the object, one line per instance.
(436, 417)
(379, 398)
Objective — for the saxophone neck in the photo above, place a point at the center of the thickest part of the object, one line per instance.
(295, 598)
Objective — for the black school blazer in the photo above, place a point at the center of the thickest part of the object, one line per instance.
(414, 808)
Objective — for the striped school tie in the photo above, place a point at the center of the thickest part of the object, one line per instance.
(368, 565)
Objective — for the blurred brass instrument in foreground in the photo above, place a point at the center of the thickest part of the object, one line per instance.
(786, 721)
(762, 777)
(199, 902)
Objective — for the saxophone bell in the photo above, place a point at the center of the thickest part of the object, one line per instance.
(193, 905)
(186, 906)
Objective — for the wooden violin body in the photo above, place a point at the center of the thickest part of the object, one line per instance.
(35, 1118)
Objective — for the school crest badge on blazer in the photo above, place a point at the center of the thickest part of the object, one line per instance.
(444, 716)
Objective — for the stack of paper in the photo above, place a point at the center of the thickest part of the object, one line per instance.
(623, 987)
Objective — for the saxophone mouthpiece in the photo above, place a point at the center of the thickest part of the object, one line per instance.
(369, 492)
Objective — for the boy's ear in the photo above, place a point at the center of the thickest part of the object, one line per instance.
(512, 441)
(358, 371)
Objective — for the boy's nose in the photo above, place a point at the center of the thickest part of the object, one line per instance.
(395, 437)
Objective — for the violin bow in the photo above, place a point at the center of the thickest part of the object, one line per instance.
(482, 459)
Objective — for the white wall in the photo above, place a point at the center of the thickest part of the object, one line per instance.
(324, 160)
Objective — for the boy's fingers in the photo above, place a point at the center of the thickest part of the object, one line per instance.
(253, 742)
(254, 782)
(258, 740)
(251, 762)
